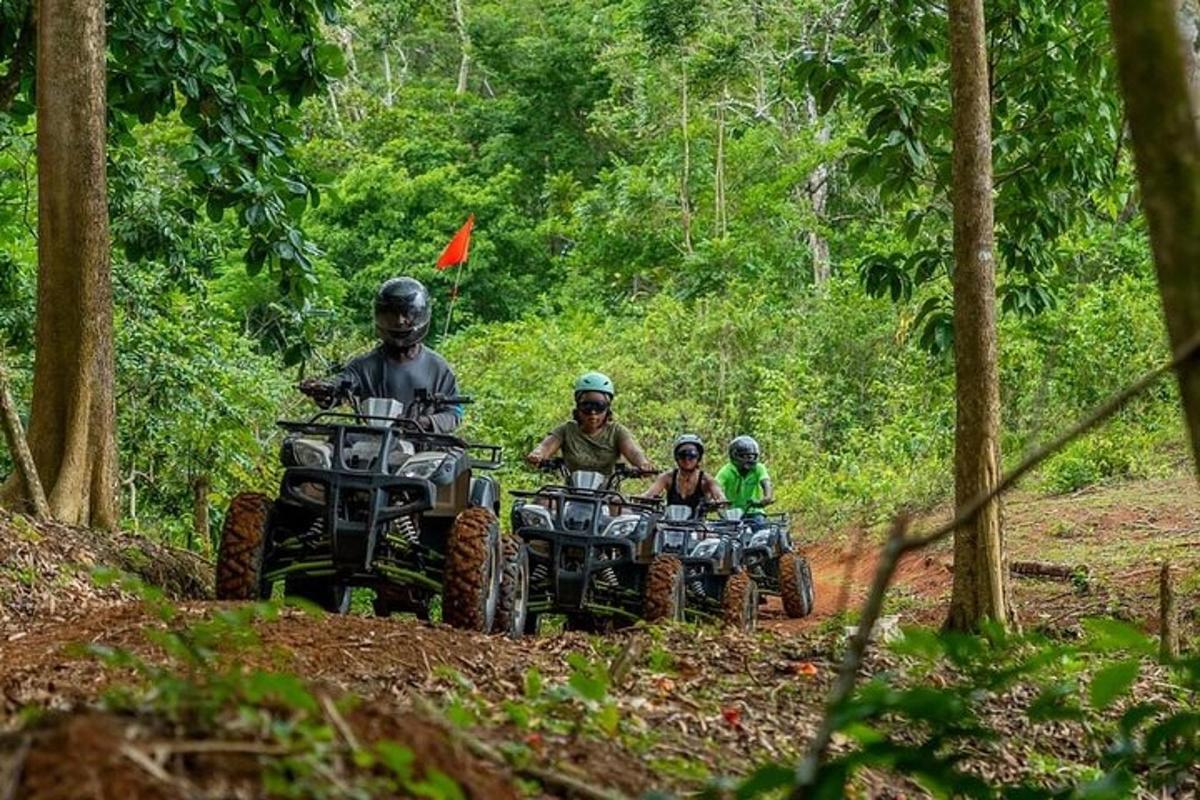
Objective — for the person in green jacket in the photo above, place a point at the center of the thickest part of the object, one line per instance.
(745, 480)
(592, 440)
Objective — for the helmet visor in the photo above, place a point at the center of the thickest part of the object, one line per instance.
(745, 457)
(395, 320)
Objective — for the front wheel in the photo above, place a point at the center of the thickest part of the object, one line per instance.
(665, 590)
(739, 602)
(795, 585)
(240, 555)
(471, 586)
(512, 608)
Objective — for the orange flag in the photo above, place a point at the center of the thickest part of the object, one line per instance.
(460, 245)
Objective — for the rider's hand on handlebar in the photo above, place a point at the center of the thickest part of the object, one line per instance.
(534, 459)
(324, 393)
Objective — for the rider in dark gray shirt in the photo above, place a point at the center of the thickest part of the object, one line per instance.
(401, 367)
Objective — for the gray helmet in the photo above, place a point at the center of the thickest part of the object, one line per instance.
(685, 439)
(402, 312)
(744, 452)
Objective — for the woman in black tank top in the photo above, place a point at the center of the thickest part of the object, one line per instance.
(675, 498)
(689, 450)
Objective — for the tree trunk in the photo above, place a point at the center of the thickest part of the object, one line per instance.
(1166, 149)
(387, 78)
(722, 221)
(685, 202)
(18, 445)
(818, 193)
(200, 525)
(1185, 16)
(464, 66)
(980, 579)
(72, 417)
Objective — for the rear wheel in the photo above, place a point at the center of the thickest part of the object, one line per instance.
(240, 555)
(471, 582)
(795, 585)
(321, 592)
(739, 602)
(512, 608)
(665, 591)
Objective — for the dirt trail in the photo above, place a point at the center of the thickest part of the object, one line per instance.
(695, 702)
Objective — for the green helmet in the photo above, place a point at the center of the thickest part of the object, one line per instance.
(594, 382)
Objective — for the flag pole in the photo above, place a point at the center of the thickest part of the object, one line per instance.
(453, 297)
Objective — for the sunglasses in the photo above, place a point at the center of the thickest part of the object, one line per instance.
(592, 407)
(687, 455)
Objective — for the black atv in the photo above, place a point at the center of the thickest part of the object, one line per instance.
(771, 559)
(718, 585)
(372, 499)
(595, 555)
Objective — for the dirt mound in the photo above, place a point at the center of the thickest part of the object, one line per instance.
(93, 755)
(46, 570)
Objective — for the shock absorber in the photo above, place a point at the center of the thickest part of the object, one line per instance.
(403, 532)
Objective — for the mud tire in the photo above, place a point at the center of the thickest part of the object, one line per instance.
(512, 606)
(739, 602)
(665, 590)
(471, 583)
(243, 540)
(795, 585)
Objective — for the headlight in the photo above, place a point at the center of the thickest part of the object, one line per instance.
(424, 466)
(621, 527)
(534, 517)
(311, 454)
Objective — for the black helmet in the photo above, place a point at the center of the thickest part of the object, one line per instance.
(743, 451)
(686, 439)
(402, 312)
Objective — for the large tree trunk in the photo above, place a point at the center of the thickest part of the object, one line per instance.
(72, 417)
(980, 580)
(1166, 148)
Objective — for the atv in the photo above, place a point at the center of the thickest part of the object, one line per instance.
(371, 499)
(718, 586)
(595, 555)
(771, 559)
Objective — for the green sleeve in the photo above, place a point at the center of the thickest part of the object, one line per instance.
(723, 478)
(560, 432)
(762, 473)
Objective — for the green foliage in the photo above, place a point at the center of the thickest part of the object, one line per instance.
(926, 731)
(1056, 141)
(851, 422)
